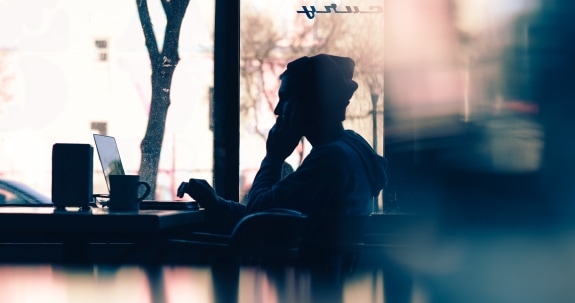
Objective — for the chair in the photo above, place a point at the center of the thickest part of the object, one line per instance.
(280, 236)
(272, 235)
(335, 243)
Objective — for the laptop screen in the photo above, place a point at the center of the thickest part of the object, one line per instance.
(109, 156)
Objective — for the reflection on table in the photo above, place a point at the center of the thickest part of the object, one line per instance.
(171, 284)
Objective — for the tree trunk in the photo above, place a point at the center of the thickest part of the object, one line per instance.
(163, 65)
(151, 145)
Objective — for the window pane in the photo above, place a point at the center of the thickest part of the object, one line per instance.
(69, 69)
(272, 33)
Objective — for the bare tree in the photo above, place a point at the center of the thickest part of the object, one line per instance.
(366, 47)
(258, 39)
(265, 53)
(163, 63)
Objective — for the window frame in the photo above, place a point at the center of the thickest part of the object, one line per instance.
(226, 98)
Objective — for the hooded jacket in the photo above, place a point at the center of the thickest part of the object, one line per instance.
(340, 177)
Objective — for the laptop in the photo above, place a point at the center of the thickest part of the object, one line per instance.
(109, 155)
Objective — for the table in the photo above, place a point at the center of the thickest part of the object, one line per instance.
(75, 230)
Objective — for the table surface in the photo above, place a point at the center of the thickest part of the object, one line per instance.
(42, 222)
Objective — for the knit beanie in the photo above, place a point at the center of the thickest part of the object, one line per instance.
(325, 79)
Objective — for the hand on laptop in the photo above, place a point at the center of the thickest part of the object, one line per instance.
(200, 190)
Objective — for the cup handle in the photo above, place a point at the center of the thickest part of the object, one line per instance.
(148, 188)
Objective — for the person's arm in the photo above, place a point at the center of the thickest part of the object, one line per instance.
(309, 189)
(204, 193)
(281, 142)
(260, 196)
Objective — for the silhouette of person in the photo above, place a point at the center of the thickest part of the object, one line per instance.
(342, 173)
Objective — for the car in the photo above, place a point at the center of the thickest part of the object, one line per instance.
(14, 192)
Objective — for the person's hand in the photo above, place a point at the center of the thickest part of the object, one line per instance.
(200, 190)
(283, 137)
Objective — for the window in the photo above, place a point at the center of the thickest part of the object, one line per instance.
(444, 83)
(60, 92)
(102, 50)
(276, 32)
(100, 127)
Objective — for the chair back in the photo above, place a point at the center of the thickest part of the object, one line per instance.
(272, 233)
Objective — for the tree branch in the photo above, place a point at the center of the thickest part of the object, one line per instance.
(175, 11)
(146, 22)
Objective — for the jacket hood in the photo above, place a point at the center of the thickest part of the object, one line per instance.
(374, 164)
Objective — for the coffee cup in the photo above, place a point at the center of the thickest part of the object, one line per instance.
(124, 191)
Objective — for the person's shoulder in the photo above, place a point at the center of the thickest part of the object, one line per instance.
(332, 147)
(342, 142)
(352, 135)
(331, 153)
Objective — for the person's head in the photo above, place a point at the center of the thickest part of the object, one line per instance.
(318, 89)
